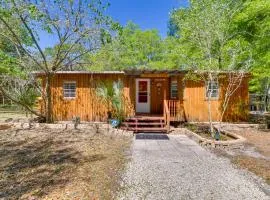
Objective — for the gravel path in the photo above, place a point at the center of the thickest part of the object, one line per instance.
(178, 168)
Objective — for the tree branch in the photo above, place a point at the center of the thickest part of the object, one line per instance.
(20, 103)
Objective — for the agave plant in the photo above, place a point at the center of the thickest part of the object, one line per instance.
(111, 93)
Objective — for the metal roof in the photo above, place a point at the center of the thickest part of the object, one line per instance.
(132, 71)
(153, 71)
(82, 72)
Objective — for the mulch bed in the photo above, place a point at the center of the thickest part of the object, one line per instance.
(204, 131)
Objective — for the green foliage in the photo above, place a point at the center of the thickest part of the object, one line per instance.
(133, 47)
(112, 94)
(206, 36)
(27, 96)
(79, 27)
(254, 24)
(8, 64)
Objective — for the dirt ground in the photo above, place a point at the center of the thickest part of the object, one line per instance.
(255, 156)
(61, 164)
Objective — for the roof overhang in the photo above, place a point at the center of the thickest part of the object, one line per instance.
(39, 73)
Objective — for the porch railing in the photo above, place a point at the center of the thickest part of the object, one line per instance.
(166, 115)
(174, 108)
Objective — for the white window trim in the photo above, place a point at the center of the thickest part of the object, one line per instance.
(66, 82)
(206, 91)
(173, 82)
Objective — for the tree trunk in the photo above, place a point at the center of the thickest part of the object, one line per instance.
(266, 100)
(210, 106)
(49, 111)
(210, 116)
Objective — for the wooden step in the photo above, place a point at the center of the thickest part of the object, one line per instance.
(146, 129)
(143, 123)
(145, 119)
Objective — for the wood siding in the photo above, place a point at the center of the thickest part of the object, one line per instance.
(87, 105)
(191, 104)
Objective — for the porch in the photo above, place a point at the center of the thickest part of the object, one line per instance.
(157, 98)
(154, 123)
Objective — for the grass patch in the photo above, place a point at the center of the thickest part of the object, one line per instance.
(56, 164)
(258, 166)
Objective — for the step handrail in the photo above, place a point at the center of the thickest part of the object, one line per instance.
(166, 115)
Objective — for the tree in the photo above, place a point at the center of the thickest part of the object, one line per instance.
(131, 47)
(173, 29)
(211, 47)
(75, 25)
(253, 24)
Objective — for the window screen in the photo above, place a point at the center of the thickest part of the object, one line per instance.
(212, 89)
(69, 89)
(174, 90)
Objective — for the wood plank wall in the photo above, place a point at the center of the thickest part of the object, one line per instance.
(87, 105)
(192, 104)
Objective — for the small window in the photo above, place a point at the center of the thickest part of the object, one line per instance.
(174, 90)
(212, 89)
(69, 89)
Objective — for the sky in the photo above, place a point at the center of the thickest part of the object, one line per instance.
(148, 14)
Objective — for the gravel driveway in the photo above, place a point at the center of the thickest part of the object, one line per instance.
(178, 168)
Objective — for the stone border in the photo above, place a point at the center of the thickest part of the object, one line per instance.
(236, 125)
(237, 143)
(62, 125)
(65, 125)
(95, 126)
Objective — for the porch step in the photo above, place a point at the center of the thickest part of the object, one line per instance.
(143, 124)
(145, 119)
(148, 129)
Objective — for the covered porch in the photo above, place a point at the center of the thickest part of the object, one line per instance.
(157, 96)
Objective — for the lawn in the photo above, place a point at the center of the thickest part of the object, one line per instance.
(61, 164)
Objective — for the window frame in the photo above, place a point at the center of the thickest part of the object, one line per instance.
(171, 89)
(217, 90)
(64, 90)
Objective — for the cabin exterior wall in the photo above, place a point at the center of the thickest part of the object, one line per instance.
(191, 104)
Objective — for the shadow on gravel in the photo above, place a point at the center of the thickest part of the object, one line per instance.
(149, 136)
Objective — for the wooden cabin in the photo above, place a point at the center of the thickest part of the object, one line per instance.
(153, 93)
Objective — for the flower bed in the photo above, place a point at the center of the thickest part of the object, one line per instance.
(201, 134)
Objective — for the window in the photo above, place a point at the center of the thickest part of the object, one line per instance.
(143, 92)
(69, 89)
(212, 89)
(174, 89)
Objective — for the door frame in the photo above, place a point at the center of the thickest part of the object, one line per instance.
(148, 104)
